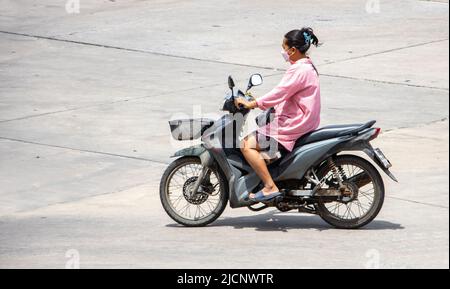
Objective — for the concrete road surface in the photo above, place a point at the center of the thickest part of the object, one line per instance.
(86, 92)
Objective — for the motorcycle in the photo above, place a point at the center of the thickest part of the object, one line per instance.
(319, 176)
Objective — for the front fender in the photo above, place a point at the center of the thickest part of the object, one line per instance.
(205, 156)
(194, 151)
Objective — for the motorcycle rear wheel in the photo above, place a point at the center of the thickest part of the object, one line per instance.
(372, 193)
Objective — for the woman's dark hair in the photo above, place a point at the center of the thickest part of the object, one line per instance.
(301, 39)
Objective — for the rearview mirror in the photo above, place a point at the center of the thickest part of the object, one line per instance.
(230, 82)
(255, 80)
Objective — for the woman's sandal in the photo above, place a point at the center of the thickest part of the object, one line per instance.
(261, 198)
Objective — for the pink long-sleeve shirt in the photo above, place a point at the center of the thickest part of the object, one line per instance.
(297, 104)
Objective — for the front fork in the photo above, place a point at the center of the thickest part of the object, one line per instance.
(204, 176)
(207, 161)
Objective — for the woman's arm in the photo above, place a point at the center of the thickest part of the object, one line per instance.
(289, 85)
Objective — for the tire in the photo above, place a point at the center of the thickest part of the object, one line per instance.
(166, 201)
(378, 199)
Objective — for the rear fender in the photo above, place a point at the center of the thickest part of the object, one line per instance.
(362, 143)
(370, 152)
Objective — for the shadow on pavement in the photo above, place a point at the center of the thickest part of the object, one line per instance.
(276, 221)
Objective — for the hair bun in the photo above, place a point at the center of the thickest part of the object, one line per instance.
(301, 39)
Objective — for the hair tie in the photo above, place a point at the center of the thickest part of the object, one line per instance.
(307, 37)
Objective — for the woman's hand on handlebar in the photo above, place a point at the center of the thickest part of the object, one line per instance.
(242, 102)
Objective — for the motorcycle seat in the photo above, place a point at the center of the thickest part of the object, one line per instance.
(332, 131)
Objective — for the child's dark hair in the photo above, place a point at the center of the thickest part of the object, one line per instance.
(301, 39)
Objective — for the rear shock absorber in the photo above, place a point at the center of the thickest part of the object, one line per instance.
(338, 174)
(342, 173)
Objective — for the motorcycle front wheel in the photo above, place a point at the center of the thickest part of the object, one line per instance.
(184, 207)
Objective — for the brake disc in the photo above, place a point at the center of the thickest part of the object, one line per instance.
(195, 199)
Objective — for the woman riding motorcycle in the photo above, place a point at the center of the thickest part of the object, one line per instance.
(296, 102)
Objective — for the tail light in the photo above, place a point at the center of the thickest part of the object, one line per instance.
(376, 133)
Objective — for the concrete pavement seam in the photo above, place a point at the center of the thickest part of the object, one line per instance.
(386, 51)
(137, 50)
(86, 151)
(386, 82)
(76, 200)
(143, 159)
(100, 104)
(119, 101)
(419, 125)
(418, 202)
(240, 64)
(201, 87)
